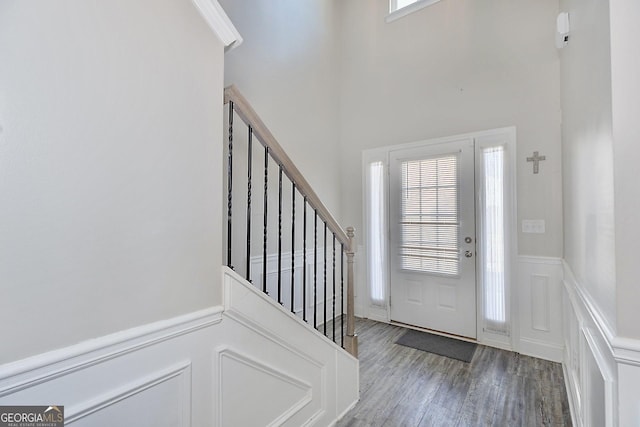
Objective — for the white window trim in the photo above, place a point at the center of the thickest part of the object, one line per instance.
(507, 139)
(413, 7)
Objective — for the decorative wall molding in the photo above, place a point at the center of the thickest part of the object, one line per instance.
(602, 369)
(539, 309)
(51, 365)
(540, 316)
(624, 350)
(584, 300)
(219, 22)
(171, 373)
(249, 321)
(331, 372)
(531, 259)
(181, 372)
(572, 388)
(254, 321)
(605, 371)
(300, 399)
(157, 374)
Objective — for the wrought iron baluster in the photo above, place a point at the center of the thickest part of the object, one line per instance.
(229, 184)
(324, 294)
(315, 269)
(333, 311)
(304, 261)
(293, 245)
(280, 235)
(342, 295)
(266, 216)
(249, 166)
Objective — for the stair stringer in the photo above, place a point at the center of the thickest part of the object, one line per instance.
(274, 369)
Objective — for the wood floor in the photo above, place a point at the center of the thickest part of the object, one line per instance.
(401, 386)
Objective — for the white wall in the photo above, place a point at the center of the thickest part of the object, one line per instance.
(452, 68)
(589, 240)
(600, 90)
(287, 69)
(110, 117)
(625, 69)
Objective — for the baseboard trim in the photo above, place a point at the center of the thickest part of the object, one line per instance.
(503, 345)
(541, 349)
(571, 388)
(350, 407)
(56, 363)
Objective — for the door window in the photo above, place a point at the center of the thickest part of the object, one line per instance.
(429, 215)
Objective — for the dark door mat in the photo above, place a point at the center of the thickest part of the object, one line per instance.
(443, 346)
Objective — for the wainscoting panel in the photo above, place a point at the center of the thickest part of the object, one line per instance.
(317, 379)
(539, 313)
(540, 316)
(250, 362)
(157, 374)
(592, 363)
(169, 390)
(286, 395)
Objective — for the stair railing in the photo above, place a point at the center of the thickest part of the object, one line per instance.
(273, 151)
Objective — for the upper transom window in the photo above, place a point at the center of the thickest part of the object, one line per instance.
(400, 8)
(399, 4)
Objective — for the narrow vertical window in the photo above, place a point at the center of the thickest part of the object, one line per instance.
(376, 237)
(493, 240)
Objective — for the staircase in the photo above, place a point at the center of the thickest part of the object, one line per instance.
(289, 277)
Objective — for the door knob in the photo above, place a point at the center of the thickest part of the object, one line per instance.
(468, 239)
(468, 254)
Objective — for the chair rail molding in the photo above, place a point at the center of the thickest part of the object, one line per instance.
(601, 368)
(624, 350)
(157, 374)
(219, 22)
(45, 367)
(194, 370)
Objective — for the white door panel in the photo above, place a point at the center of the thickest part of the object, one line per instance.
(433, 279)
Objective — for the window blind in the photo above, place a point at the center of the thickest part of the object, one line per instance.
(429, 215)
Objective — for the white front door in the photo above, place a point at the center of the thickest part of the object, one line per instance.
(432, 237)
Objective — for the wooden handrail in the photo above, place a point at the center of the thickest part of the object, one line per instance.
(242, 107)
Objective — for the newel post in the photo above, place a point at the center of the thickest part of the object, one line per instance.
(351, 339)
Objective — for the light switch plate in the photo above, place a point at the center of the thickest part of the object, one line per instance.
(533, 226)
